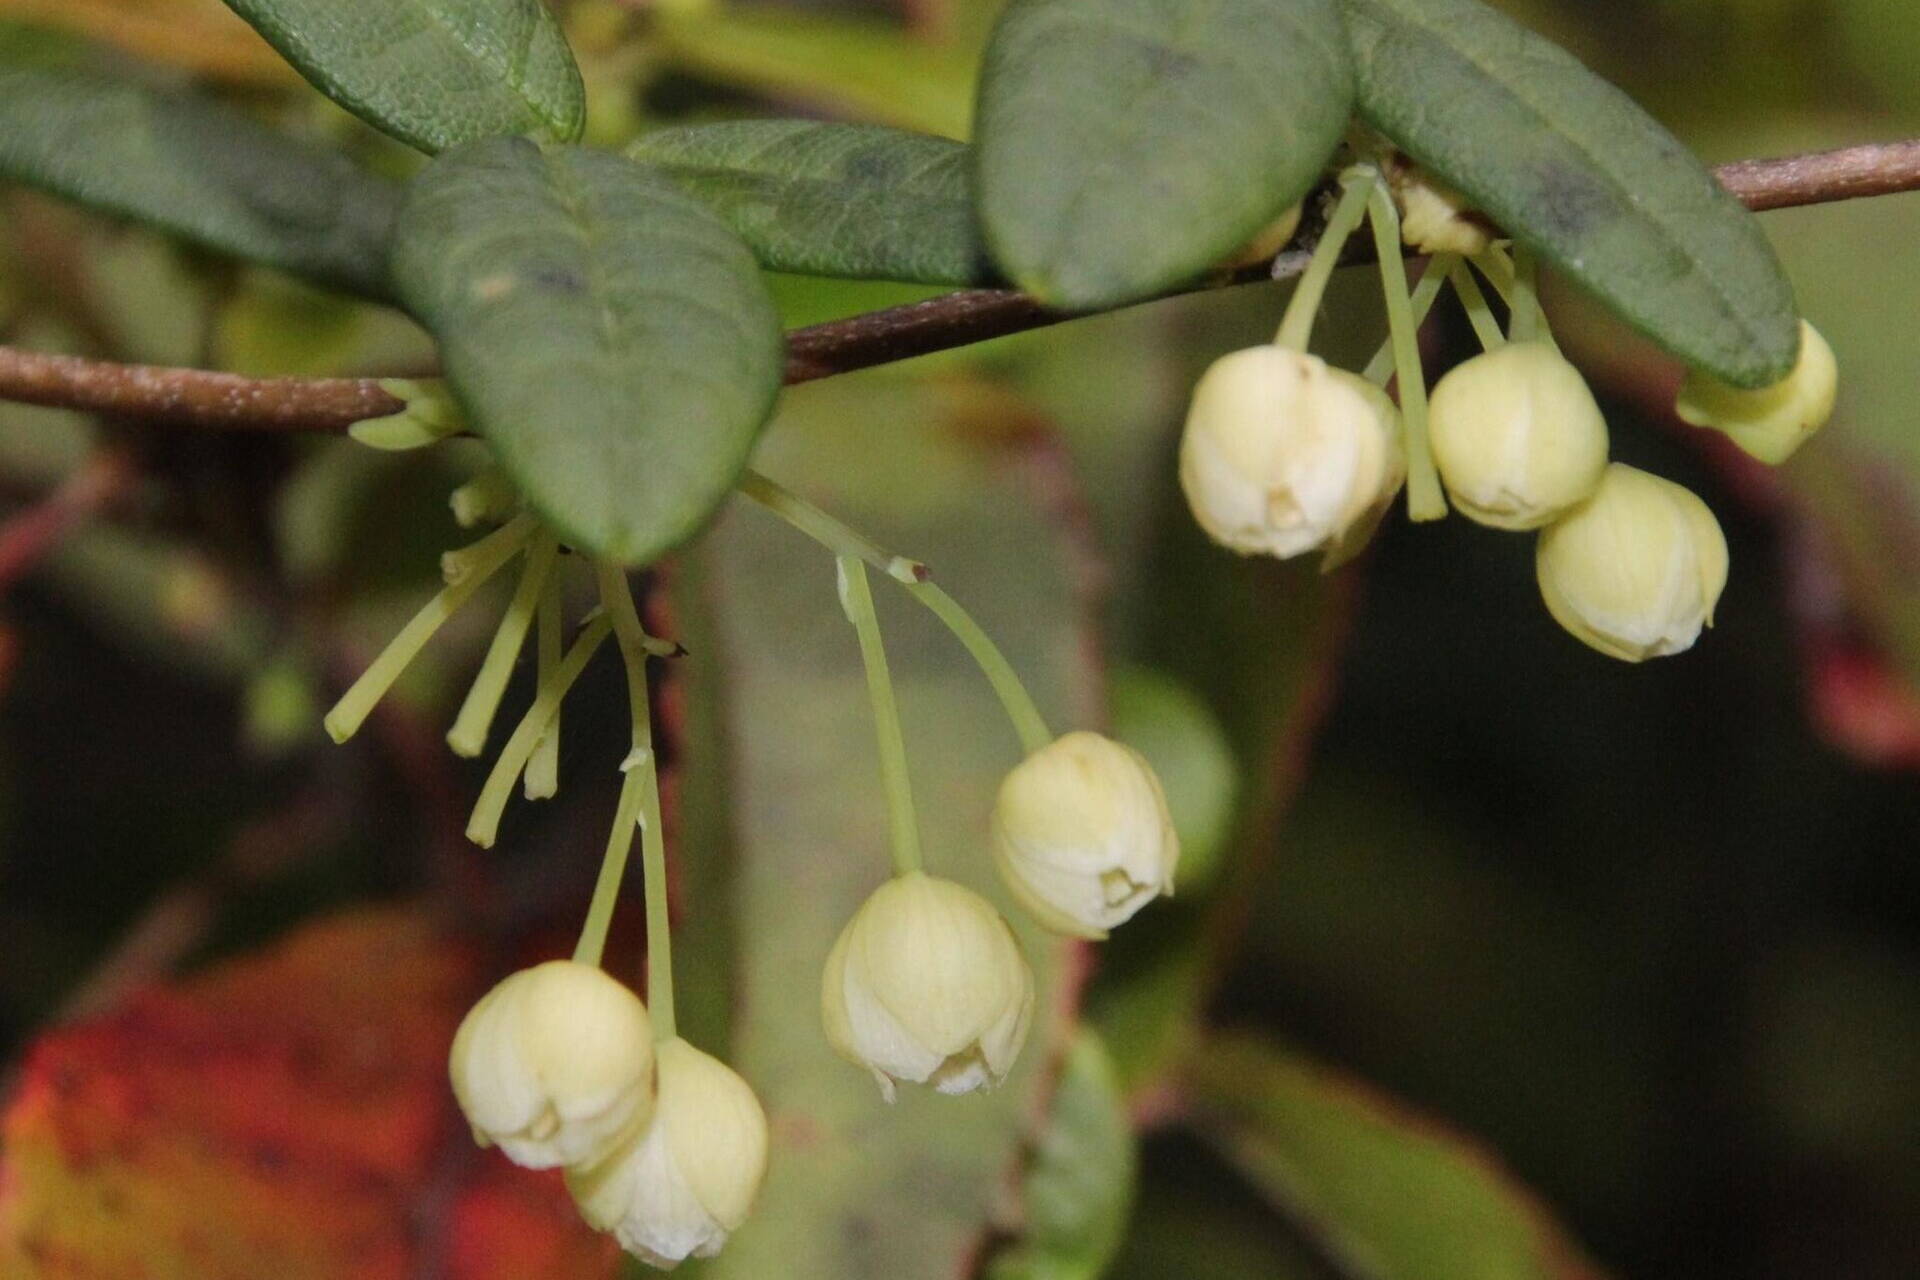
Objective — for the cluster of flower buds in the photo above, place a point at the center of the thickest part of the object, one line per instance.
(1283, 455)
(663, 1145)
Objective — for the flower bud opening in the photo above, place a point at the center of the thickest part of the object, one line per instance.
(1636, 570)
(1082, 836)
(1774, 421)
(926, 984)
(1518, 437)
(1434, 218)
(554, 1065)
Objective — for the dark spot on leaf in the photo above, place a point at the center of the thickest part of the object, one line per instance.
(560, 280)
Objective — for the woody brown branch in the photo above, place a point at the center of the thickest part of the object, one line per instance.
(205, 399)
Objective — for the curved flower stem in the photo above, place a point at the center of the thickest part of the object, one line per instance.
(639, 802)
(1425, 501)
(1498, 269)
(1296, 326)
(468, 737)
(1528, 319)
(857, 600)
(1380, 369)
(475, 565)
(484, 824)
(839, 538)
(1479, 312)
(550, 642)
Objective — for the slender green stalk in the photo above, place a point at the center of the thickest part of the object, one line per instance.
(1425, 501)
(1528, 319)
(550, 642)
(1498, 269)
(857, 599)
(1019, 704)
(639, 802)
(1479, 311)
(468, 737)
(826, 530)
(1296, 326)
(484, 824)
(478, 563)
(1425, 294)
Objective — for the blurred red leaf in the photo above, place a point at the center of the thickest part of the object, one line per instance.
(285, 1116)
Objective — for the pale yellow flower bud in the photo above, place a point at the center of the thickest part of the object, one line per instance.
(681, 1186)
(554, 1065)
(1351, 541)
(1517, 436)
(1636, 570)
(1082, 836)
(1772, 422)
(926, 984)
(1434, 218)
(1281, 454)
(1267, 243)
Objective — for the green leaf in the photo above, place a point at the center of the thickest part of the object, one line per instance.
(1573, 168)
(1079, 1185)
(199, 170)
(605, 332)
(861, 201)
(1391, 1194)
(433, 73)
(1126, 146)
(857, 1189)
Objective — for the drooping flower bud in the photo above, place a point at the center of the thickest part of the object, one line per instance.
(1352, 540)
(1517, 436)
(1772, 422)
(1636, 570)
(1082, 836)
(1434, 218)
(554, 1065)
(681, 1186)
(1266, 244)
(1281, 454)
(926, 984)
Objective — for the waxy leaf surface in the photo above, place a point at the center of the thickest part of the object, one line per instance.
(199, 170)
(1126, 146)
(433, 73)
(861, 201)
(605, 332)
(1574, 169)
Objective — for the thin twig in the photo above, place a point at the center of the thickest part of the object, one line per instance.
(199, 398)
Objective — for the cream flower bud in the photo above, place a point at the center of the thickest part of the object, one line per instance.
(1434, 218)
(1082, 836)
(927, 985)
(1282, 454)
(1772, 422)
(554, 1065)
(1636, 570)
(681, 1186)
(1267, 243)
(1517, 436)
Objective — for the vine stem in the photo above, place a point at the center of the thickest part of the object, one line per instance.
(1296, 326)
(199, 398)
(857, 600)
(1425, 501)
(841, 539)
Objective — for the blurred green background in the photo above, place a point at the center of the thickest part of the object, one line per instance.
(1653, 934)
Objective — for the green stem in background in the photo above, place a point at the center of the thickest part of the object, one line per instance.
(838, 538)
(484, 825)
(1528, 319)
(857, 600)
(639, 802)
(1019, 704)
(1379, 370)
(1296, 326)
(826, 530)
(1425, 501)
(550, 642)
(472, 567)
(468, 737)
(1479, 312)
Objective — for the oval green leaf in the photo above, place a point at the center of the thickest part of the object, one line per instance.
(433, 73)
(198, 170)
(1573, 168)
(603, 330)
(860, 201)
(1126, 146)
